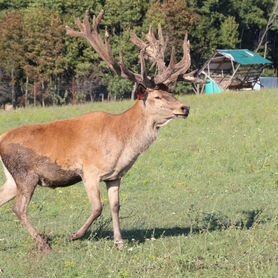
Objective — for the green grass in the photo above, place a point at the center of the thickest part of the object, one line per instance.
(202, 202)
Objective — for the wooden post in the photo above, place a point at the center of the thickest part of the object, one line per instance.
(231, 78)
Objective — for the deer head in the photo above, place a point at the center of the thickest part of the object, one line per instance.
(152, 90)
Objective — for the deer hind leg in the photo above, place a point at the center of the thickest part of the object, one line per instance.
(92, 188)
(23, 197)
(8, 190)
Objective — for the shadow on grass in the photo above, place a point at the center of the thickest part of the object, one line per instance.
(203, 223)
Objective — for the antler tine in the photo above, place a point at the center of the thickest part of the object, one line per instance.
(163, 42)
(80, 25)
(160, 35)
(73, 33)
(86, 24)
(137, 78)
(182, 67)
(84, 28)
(137, 42)
(191, 77)
(172, 59)
(125, 72)
(150, 37)
(166, 74)
(186, 59)
(97, 20)
(144, 76)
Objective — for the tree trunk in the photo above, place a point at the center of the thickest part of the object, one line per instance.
(35, 93)
(271, 20)
(26, 91)
(56, 89)
(91, 94)
(42, 86)
(13, 89)
(265, 49)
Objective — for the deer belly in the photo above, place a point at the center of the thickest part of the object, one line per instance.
(64, 181)
(23, 162)
(53, 175)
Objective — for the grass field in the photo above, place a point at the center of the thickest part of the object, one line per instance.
(202, 202)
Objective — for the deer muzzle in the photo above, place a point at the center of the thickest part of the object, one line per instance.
(182, 112)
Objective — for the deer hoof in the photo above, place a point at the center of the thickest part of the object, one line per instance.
(75, 236)
(119, 244)
(44, 247)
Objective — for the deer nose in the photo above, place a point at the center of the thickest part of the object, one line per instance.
(185, 110)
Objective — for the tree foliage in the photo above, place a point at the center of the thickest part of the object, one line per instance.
(43, 65)
(229, 33)
(11, 50)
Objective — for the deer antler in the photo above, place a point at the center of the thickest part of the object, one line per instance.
(104, 50)
(153, 51)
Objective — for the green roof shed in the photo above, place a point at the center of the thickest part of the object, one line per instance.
(233, 69)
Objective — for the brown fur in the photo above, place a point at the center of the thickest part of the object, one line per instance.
(95, 147)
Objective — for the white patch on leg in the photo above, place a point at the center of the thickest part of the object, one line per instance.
(8, 190)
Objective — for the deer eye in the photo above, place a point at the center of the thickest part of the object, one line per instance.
(157, 97)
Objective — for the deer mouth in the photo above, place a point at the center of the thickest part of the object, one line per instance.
(181, 116)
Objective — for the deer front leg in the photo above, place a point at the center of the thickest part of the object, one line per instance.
(113, 188)
(92, 187)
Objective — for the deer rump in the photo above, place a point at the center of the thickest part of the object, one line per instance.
(33, 151)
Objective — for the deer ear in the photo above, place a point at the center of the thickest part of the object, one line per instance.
(141, 92)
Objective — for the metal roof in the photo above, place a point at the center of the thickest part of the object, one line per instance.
(244, 56)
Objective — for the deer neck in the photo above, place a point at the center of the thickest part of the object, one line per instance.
(141, 132)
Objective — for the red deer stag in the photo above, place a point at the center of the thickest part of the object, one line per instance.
(98, 146)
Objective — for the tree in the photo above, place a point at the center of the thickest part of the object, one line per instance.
(44, 50)
(180, 19)
(123, 15)
(252, 16)
(5, 96)
(36, 55)
(272, 23)
(155, 15)
(205, 34)
(82, 65)
(11, 51)
(119, 88)
(14, 4)
(229, 33)
(227, 23)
